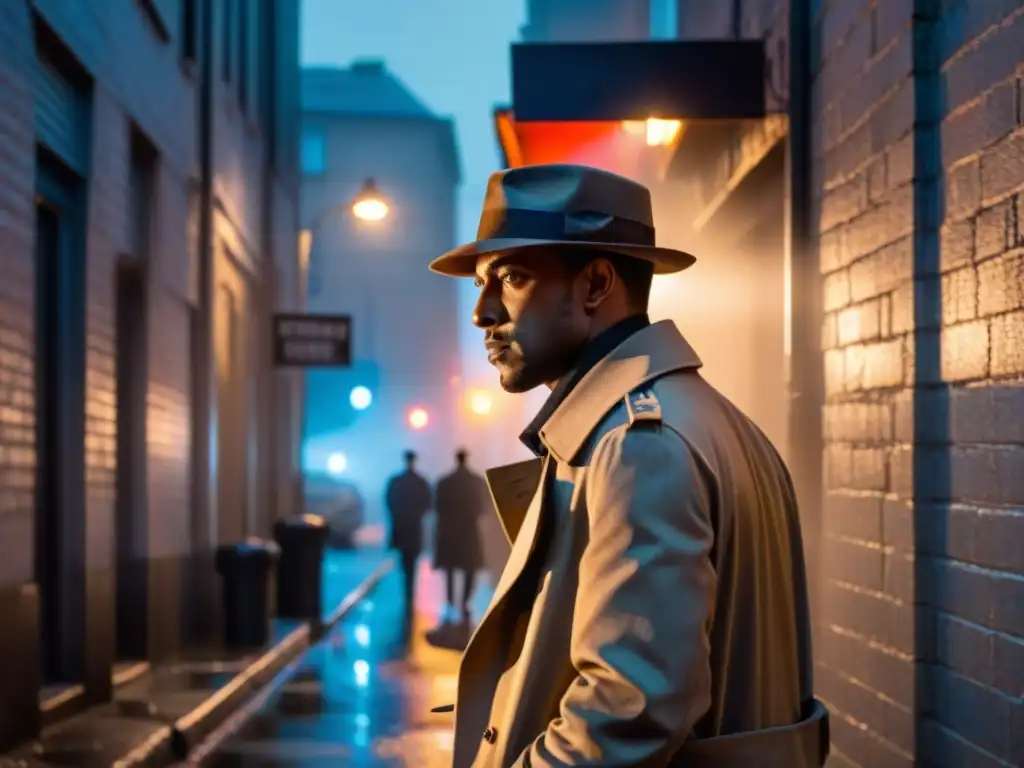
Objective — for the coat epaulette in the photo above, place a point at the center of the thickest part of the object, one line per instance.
(643, 405)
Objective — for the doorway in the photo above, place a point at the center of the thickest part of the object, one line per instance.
(132, 384)
(60, 422)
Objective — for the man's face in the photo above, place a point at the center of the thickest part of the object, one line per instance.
(532, 313)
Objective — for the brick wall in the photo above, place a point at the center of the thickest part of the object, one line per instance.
(137, 78)
(17, 304)
(918, 168)
(863, 101)
(976, 664)
(919, 157)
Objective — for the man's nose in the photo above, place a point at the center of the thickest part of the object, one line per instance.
(488, 310)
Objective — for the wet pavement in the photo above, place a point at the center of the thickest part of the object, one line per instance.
(146, 708)
(362, 697)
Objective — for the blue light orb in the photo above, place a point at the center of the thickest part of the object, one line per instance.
(360, 398)
(337, 463)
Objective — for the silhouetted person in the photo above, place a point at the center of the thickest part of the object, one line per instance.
(461, 497)
(408, 500)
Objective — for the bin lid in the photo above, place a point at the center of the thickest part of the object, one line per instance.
(251, 546)
(303, 521)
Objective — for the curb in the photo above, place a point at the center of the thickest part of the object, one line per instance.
(174, 742)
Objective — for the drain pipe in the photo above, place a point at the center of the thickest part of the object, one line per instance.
(202, 345)
(805, 374)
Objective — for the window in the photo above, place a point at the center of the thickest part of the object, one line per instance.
(189, 19)
(141, 179)
(314, 151)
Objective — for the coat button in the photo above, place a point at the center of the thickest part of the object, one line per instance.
(490, 735)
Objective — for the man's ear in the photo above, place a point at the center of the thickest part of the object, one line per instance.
(599, 280)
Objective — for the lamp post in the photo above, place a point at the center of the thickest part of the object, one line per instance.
(369, 205)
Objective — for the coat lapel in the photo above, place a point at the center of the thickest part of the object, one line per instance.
(512, 488)
(518, 491)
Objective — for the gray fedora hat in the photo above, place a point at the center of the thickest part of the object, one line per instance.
(566, 206)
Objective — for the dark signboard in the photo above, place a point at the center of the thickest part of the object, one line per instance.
(312, 341)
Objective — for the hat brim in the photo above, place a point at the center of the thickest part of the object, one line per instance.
(461, 261)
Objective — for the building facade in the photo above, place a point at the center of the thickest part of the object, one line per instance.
(361, 124)
(916, 168)
(859, 293)
(143, 147)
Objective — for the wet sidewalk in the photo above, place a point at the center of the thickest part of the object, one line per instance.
(359, 698)
(173, 700)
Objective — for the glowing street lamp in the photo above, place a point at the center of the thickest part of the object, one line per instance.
(369, 204)
(656, 131)
(661, 133)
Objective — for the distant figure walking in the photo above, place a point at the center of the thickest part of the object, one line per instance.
(461, 499)
(408, 500)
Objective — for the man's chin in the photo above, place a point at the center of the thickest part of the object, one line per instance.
(515, 383)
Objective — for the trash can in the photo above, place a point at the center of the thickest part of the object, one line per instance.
(300, 573)
(246, 570)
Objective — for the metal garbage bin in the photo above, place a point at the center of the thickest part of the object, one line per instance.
(300, 574)
(246, 572)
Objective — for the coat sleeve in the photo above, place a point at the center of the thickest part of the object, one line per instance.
(640, 630)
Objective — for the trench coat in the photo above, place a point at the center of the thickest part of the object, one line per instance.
(654, 609)
(408, 499)
(459, 501)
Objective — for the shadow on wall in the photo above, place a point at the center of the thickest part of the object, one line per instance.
(931, 487)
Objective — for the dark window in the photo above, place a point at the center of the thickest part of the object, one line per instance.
(141, 180)
(189, 19)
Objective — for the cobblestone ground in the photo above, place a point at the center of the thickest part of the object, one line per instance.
(363, 696)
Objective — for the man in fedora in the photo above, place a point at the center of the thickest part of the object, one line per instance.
(654, 607)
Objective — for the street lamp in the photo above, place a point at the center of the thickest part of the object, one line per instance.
(369, 204)
(656, 131)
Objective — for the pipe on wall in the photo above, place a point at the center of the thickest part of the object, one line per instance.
(805, 369)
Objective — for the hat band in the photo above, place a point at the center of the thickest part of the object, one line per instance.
(582, 226)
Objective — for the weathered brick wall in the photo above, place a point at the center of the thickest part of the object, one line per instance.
(863, 100)
(976, 667)
(17, 297)
(923, 335)
(137, 77)
(918, 168)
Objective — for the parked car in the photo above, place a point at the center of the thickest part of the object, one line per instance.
(340, 503)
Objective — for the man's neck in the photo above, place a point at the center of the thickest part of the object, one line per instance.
(598, 347)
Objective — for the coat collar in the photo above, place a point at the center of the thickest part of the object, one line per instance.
(595, 351)
(646, 355)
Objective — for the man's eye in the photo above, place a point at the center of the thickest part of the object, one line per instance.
(511, 278)
(478, 283)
